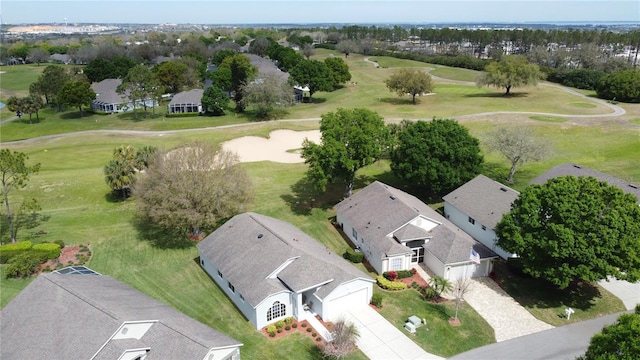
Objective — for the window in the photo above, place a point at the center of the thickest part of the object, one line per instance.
(241, 297)
(219, 274)
(233, 289)
(418, 255)
(277, 310)
(484, 228)
(354, 233)
(396, 264)
(472, 220)
(201, 262)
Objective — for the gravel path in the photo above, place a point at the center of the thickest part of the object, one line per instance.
(507, 318)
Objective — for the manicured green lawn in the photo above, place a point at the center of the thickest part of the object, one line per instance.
(438, 336)
(548, 303)
(455, 73)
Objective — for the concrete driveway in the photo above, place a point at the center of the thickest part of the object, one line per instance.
(628, 292)
(380, 340)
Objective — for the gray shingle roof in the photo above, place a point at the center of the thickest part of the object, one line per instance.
(266, 66)
(410, 232)
(250, 247)
(379, 209)
(72, 316)
(578, 170)
(106, 92)
(187, 97)
(483, 199)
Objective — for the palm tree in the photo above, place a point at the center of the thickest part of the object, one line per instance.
(345, 335)
(440, 285)
(120, 176)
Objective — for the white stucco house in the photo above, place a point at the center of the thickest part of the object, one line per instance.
(272, 270)
(395, 231)
(75, 313)
(477, 207)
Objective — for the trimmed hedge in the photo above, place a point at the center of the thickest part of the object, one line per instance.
(400, 274)
(24, 264)
(353, 256)
(390, 285)
(48, 250)
(376, 299)
(8, 251)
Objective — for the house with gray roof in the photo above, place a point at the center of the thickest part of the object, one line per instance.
(579, 170)
(272, 270)
(109, 101)
(186, 102)
(96, 317)
(395, 231)
(477, 207)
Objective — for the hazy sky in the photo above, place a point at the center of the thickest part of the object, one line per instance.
(314, 11)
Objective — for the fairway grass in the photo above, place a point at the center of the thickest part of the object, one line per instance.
(77, 206)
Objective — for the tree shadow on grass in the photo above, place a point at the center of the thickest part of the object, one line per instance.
(399, 101)
(160, 237)
(304, 197)
(538, 293)
(498, 95)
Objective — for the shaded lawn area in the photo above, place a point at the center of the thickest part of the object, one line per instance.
(438, 336)
(548, 303)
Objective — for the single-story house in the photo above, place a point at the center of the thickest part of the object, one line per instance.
(109, 101)
(477, 207)
(272, 270)
(186, 102)
(76, 316)
(395, 231)
(579, 170)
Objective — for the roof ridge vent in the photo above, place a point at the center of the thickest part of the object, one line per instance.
(633, 186)
(577, 166)
(503, 189)
(392, 197)
(260, 236)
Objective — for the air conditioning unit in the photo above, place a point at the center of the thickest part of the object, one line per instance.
(410, 327)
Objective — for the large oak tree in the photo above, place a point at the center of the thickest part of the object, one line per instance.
(192, 189)
(351, 139)
(408, 81)
(574, 229)
(439, 155)
(620, 341)
(510, 71)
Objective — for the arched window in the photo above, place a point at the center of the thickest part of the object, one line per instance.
(277, 310)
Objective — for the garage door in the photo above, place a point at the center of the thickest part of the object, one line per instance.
(336, 307)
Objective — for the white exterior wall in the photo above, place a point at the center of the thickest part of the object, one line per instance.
(245, 308)
(468, 270)
(486, 237)
(374, 259)
(432, 262)
(346, 289)
(232, 353)
(266, 304)
(386, 263)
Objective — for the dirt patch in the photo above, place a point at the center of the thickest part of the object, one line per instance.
(69, 256)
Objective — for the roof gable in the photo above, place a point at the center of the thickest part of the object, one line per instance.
(85, 311)
(483, 199)
(579, 170)
(193, 96)
(238, 250)
(106, 92)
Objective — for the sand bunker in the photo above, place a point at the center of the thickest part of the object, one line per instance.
(282, 146)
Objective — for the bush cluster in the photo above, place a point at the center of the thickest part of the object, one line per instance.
(376, 300)
(390, 285)
(48, 250)
(353, 256)
(271, 329)
(24, 264)
(462, 61)
(279, 324)
(9, 251)
(400, 274)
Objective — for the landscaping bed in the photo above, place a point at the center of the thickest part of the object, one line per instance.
(69, 256)
(302, 327)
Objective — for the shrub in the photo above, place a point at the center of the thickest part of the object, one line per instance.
(48, 250)
(287, 327)
(272, 334)
(8, 251)
(294, 325)
(430, 293)
(621, 86)
(318, 338)
(59, 242)
(288, 320)
(309, 330)
(353, 256)
(279, 330)
(403, 274)
(271, 328)
(390, 285)
(314, 334)
(391, 275)
(279, 324)
(24, 264)
(304, 324)
(414, 284)
(376, 299)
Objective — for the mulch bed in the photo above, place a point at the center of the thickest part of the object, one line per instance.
(302, 329)
(417, 278)
(69, 256)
